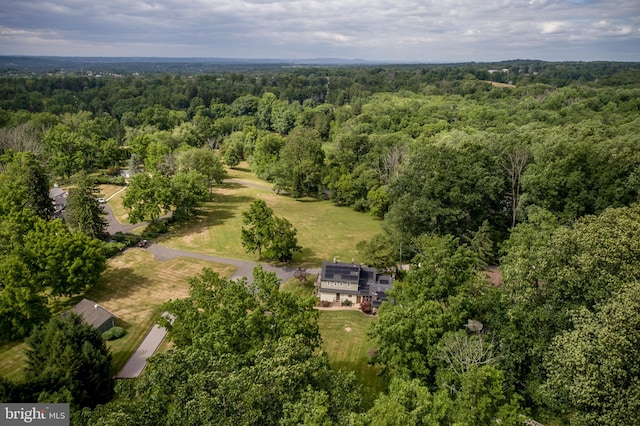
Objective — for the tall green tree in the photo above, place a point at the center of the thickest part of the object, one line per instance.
(188, 191)
(65, 262)
(204, 161)
(67, 361)
(271, 236)
(594, 369)
(301, 164)
(83, 212)
(24, 185)
(22, 306)
(147, 197)
(447, 189)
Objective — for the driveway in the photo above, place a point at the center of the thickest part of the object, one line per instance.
(245, 267)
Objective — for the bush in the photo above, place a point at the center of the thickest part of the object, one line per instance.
(324, 304)
(114, 333)
(113, 248)
(113, 171)
(129, 240)
(365, 306)
(156, 228)
(346, 302)
(110, 180)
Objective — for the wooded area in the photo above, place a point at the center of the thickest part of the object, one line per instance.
(539, 177)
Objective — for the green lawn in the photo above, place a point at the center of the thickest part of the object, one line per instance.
(324, 230)
(299, 288)
(344, 336)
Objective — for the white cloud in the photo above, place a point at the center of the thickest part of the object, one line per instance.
(425, 30)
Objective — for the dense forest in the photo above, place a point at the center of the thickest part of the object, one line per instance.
(529, 166)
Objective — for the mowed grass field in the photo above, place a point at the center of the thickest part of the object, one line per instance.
(324, 230)
(345, 340)
(133, 287)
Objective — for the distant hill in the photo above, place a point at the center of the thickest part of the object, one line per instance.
(60, 64)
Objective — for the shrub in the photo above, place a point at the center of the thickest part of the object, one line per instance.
(346, 302)
(324, 304)
(114, 333)
(113, 171)
(111, 180)
(156, 228)
(365, 306)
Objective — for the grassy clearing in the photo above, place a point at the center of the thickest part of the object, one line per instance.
(12, 360)
(133, 287)
(295, 286)
(344, 336)
(324, 230)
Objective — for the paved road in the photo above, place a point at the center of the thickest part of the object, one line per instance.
(245, 267)
(138, 361)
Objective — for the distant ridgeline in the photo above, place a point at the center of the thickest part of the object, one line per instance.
(510, 71)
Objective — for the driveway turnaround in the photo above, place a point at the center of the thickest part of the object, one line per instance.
(136, 363)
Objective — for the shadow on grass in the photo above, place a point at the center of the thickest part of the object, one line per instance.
(306, 257)
(118, 284)
(367, 376)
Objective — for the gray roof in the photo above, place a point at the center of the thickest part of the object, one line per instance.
(92, 313)
(370, 283)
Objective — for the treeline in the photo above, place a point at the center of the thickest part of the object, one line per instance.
(541, 178)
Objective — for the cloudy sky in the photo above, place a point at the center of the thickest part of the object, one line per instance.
(384, 30)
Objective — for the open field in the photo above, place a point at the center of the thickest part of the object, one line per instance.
(344, 338)
(133, 287)
(324, 230)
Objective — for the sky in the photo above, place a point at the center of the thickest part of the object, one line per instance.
(423, 31)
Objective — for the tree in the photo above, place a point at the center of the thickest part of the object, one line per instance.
(594, 368)
(301, 165)
(22, 307)
(447, 190)
(204, 161)
(267, 234)
(283, 240)
(83, 212)
(514, 164)
(147, 197)
(257, 235)
(188, 191)
(24, 185)
(264, 161)
(380, 252)
(65, 262)
(67, 361)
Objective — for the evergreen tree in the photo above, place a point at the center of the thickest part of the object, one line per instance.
(83, 213)
(67, 361)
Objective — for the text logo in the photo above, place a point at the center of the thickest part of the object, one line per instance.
(36, 414)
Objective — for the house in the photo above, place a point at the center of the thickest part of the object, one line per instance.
(59, 199)
(95, 315)
(357, 283)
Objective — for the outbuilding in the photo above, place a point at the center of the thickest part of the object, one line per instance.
(95, 315)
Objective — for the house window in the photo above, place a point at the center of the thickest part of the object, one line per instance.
(341, 284)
